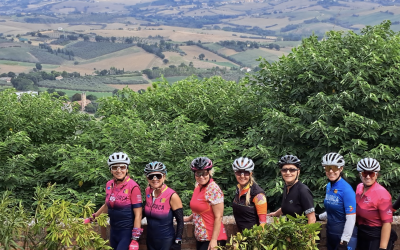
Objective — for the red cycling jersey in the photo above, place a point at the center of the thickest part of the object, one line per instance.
(374, 207)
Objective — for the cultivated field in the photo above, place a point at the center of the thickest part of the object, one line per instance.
(134, 87)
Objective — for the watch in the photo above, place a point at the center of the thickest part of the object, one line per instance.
(178, 241)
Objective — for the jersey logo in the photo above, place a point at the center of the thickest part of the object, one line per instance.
(389, 212)
(291, 201)
(108, 188)
(148, 196)
(126, 191)
(335, 191)
(367, 199)
(351, 208)
(163, 200)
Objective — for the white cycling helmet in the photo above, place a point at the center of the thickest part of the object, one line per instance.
(334, 159)
(155, 166)
(241, 163)
(118, 157)
(368, 164)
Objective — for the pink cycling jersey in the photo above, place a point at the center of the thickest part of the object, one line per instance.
(374, 207)
(121, 199)
(203, 216)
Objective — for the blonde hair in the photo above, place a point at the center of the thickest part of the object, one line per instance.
(251, 182)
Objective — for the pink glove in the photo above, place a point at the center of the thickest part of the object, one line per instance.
(134, 245)
(136, 232)
(89, 220)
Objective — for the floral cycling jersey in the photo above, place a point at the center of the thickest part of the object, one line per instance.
(204, 197)
(121, 199)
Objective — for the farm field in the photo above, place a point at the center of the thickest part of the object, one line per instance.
(134, 87)
(70, 93)
(225, 64)
(171, 79)
(249, 57)
(19, 67)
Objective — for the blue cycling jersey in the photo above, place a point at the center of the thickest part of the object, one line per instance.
(340, 200)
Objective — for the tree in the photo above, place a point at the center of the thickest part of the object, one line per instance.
(38, 66)
(277, 47)
(113, 39)
(324, 98)
(11, 74)
(191, 64)
(271, 46)
(90, 108)
(201, 56)
(165, 61)
(76, 97)
(91, 97)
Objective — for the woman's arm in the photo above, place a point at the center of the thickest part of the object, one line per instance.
(260, 202)
(176, 205)
(277, 213)
(385, 235)
(138, 217)
(218, 210)
(103, 209)
(311, 218)
(188, 218)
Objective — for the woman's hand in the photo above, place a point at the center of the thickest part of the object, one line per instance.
(188, 218)
(213, 244)
(276, 213)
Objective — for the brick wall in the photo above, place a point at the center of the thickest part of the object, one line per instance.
(189, 242)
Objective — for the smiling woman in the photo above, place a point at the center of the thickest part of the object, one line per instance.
(207, 206)
(297, 197)
(162, 205)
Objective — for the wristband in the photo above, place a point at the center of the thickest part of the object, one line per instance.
(136, 232)
(178, 241)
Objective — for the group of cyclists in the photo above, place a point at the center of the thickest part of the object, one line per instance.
(355, 220)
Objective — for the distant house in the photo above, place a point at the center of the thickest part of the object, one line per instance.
(6, 79)
(21, 39)
(58, 78)
(245, 69)
(26, 92)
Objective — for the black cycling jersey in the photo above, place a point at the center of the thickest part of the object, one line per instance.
(246, 216)
(299, 200)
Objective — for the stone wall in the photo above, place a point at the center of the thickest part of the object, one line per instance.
(189, 242)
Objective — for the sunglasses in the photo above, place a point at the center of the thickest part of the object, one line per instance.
(291, 170)
(244, 173)
(152, 176)
(333, 168)
(118, 167)
(366, 173)
(201, 173)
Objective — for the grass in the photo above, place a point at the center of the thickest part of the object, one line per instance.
(213, 46)
(70, 92)
(172, 79)
(225, 64)
(123, 52)
(27, 64)
(249, 57)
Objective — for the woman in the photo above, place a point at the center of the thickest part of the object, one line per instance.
(297, 197)
(340, 205)
(207, 206)
(123, 204)
(162, 204)
(374, 209)
(249, 204)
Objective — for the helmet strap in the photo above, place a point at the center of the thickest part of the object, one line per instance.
(293, 182)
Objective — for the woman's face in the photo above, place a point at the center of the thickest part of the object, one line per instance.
(119, 171)
(155, 179)
(243, 177)
(368, 178)
(289, 173)
(332, 174)
(202, 176)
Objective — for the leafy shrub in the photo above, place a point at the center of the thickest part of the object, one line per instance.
(288, 234)
(54, 225)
